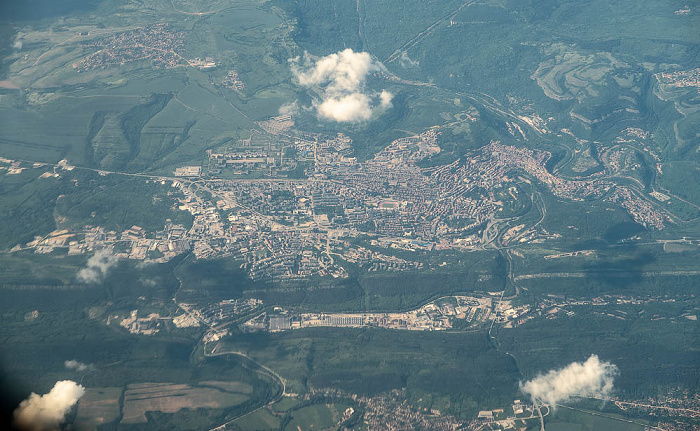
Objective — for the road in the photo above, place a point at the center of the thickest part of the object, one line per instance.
(651, 406)
(424, 33)
(268, 371)
(586, 274)
(648, 406)
(646, 427)
(539, 413)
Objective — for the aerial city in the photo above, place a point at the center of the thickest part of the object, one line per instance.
(297, 215)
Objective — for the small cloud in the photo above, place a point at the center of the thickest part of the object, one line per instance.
(148, 282)
(340, 79)
(291, 109)
(385, 98)
(17, 44)
(593, 378)
(77, 365)
(47, 412)
(144, 264)
(97, 267)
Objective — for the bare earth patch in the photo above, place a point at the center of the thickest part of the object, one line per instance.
(98, 406)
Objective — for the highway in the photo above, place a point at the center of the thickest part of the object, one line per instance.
(267, 372)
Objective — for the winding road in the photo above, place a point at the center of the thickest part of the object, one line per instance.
(267, 372)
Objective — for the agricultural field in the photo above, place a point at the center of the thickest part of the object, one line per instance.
(317, 417)
(141, 398)
(260, 420)
(98, 406)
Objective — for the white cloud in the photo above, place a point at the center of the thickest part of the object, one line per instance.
(385, 98)
(148, 282)
(346, 109)
(340, 81)
(343, 71)
(591, 378)
(17, 44)
(144, 264)
(97, 267)
(289, 109)
(76, 365)
(47, 412)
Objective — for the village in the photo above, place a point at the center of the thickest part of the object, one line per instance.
(155, 43)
